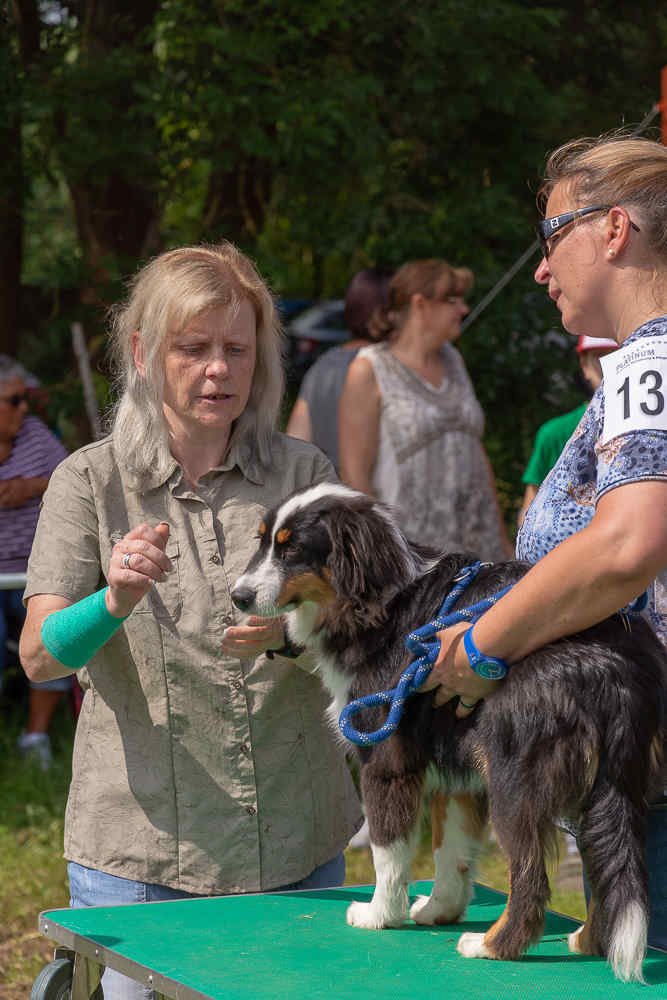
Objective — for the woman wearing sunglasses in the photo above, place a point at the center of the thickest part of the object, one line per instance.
(29, 453)
(596, 532)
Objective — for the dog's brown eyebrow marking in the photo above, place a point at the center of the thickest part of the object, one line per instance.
(262, 528)
(283, 535)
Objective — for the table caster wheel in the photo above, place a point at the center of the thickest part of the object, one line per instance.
(55, 982)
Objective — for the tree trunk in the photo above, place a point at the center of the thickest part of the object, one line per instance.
(11, 232)
(11, 195)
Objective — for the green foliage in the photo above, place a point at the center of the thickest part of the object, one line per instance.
(524, 369)
(52, 257)
(321, 138)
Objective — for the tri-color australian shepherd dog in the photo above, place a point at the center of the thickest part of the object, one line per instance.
(573, 733)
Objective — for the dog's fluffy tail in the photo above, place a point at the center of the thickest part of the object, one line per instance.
(628, 942)
(611, 840)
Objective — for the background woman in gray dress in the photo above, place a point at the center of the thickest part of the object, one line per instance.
(410, 425)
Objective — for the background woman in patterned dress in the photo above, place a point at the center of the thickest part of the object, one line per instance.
(410, 425)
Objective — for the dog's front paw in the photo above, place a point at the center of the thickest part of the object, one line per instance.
(368, 916)
(429, 910)
(472, 946)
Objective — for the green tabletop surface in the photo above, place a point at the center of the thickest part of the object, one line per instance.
(297, 944)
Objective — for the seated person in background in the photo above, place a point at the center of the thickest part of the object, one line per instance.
(29, 452)
(314, 416)
(554, 434)
(203, 763)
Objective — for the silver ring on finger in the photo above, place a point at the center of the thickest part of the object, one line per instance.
(125, 561)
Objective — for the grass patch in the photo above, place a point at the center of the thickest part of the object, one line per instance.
(32, 867)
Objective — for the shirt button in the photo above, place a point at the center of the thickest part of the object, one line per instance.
(215, 558)
(250, 810)
(237, 685)
(244, 748)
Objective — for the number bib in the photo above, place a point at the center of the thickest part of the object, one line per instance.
(635, 387)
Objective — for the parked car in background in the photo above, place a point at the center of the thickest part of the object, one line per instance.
(310, 333)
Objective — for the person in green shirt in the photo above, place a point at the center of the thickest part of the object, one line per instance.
(554, 434)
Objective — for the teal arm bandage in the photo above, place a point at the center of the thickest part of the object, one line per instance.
(74, 634)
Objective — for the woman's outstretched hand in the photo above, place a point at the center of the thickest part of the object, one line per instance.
(255, 636)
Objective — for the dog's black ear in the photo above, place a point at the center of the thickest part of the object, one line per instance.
(364, 557)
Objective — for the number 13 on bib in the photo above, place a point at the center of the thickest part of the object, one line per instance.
(635, 388)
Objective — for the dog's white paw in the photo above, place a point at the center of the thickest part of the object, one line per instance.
(573, 941)
(472, 946)
(420, 912)
(368, 916)
(427, 910)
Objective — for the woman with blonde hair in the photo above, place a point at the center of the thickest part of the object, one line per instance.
(202, 761)
(198, 279)
(596, 532)
(410, 424)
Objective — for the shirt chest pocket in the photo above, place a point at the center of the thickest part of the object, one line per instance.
(164, 600)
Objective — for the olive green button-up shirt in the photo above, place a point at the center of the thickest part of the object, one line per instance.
(191, 768)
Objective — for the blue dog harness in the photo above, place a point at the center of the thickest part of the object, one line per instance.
(426, 647)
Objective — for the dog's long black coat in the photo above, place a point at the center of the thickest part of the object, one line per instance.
(574, 732)
(570, 734)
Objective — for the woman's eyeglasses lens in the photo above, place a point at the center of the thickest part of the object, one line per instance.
(549, 227)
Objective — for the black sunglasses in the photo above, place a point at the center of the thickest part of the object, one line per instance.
(548, 227)
(15, 400)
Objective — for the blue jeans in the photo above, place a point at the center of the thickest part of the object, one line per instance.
(656, 862)
(89, 887)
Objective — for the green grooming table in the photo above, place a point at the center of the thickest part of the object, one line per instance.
(297, 944)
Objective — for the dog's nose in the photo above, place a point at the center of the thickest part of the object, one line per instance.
(243, 597)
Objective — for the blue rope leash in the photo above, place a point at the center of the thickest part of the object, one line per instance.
(416, 672)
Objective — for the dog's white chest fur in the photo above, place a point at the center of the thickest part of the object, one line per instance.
(301, 628)
(339, 688)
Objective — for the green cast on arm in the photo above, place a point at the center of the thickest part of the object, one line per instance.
(74, 634)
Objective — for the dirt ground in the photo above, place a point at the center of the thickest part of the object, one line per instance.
(30, 950)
